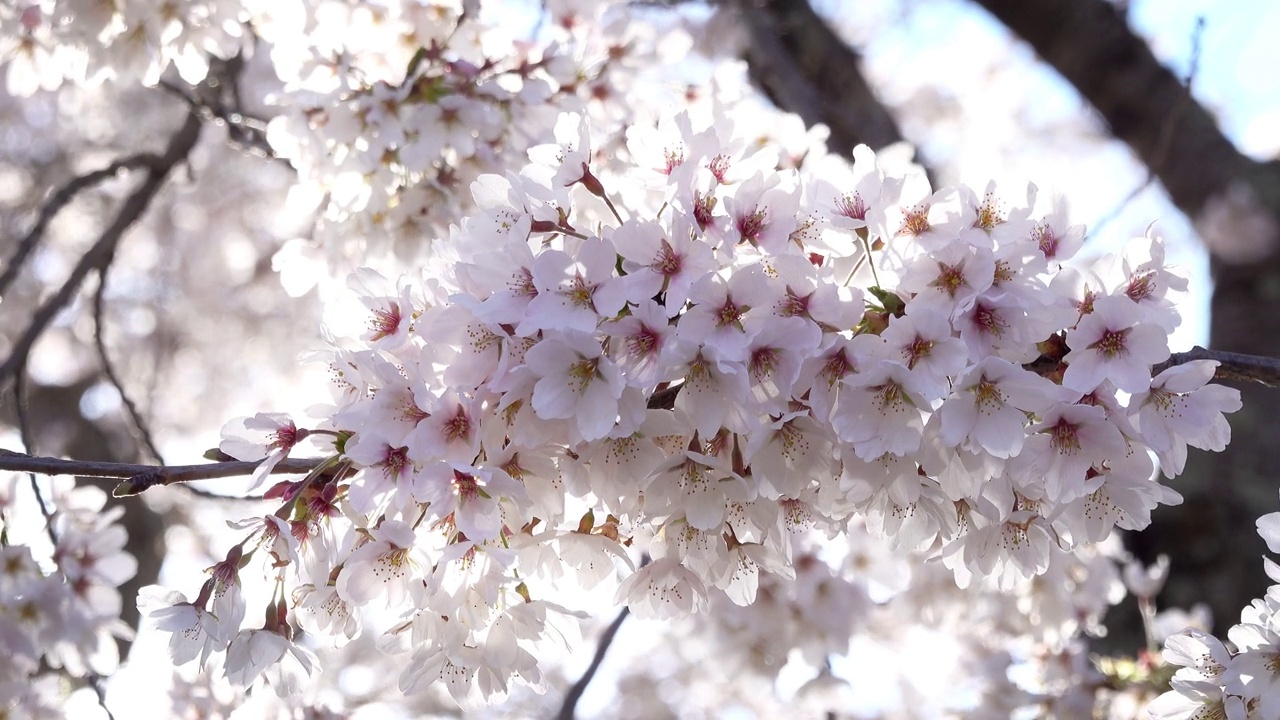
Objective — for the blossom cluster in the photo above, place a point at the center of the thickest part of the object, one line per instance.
(387, 111)
(47, 43)
(697, 379)
(392, 152)
(59, 610)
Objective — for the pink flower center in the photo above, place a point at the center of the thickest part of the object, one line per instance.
(1064, 437)
(580, 294)
(793, 305)
(703, 205)
(795, 512)
(1112, 343)
(300, 530)
(730, 313)
(950, 278)
(835, 368)
(852, 206)
(916, 221)
(1141, 287)
(763, 362)
(674, 158)
(719, 166)
(1085, 306)
(1047, 239)
(988, 214)
(394, 464)
(667, 263)
(643, 342)
(793, 440)
(987, 395)
(917, 350)
(1003, 274)
(391, 563)
(465, 485)
(458, 427)
(481, 337)
(752, 224)
(891, 397)
(988, 321)
(284, 438)
(522, 283)
(385, 322)
(717, 445)
(582, 373)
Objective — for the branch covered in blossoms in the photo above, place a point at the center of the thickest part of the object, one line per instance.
(669, 359)
(705, 359)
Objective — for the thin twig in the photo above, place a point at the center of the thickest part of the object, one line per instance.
(570, 705)
(146, 439)
(56, 202)
(138, 478)
(28, 442)
(246, 133)
(134, 207)
(96, 683)
(571, 699)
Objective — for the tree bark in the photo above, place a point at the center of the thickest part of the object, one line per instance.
(794, 57)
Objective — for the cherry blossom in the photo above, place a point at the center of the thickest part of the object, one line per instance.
(694, 358)
(1112, 343)
(1179, 410)
(266, 436)
(383, 566)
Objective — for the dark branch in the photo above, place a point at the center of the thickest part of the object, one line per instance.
(145, 438)
(28, 441)
(217, 101)
(665, 398)
(805, 68)
(246, 133)
(56, 202)
(138, 478)
(104, 248)
(571, 699)
(1231, 366)
(1145, 105)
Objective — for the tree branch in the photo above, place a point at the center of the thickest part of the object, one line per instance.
(1231, 366)
(138, 478)
(24, 433)
(140, 426)
(246, 133)
(1146, 106)
(805, 68)
(135, 206)
(56, 202)
(571, 699)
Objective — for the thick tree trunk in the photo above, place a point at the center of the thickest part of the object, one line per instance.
(805, 68)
